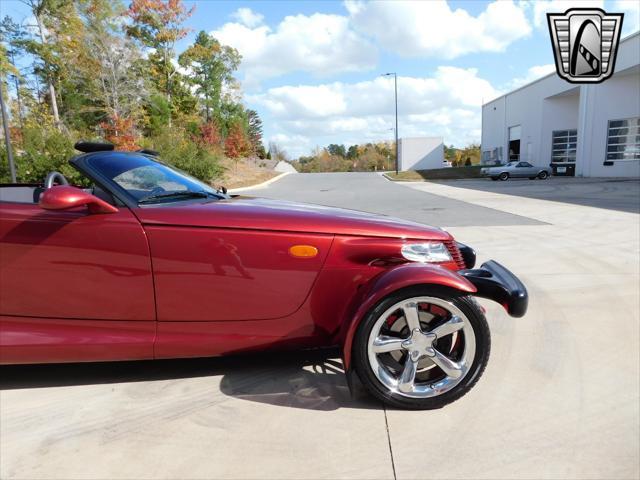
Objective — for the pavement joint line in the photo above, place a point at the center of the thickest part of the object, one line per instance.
(386, 424)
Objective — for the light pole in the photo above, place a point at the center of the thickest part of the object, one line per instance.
(7, 137)
(395, 85)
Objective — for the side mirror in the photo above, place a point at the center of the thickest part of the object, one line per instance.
(62, 197)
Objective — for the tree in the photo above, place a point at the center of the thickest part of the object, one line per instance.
(121, 132)
(9, 32)
(158, 113)
(211, 67)
(236, 145)
(276, 152)
(338, 150)
(116, 84)
(158, 25)
(210, 134)
(254, 131)
(56, 38)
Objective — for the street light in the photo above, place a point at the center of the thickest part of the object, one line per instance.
(395, 84)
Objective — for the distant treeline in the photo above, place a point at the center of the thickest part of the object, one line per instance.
(369, 157)
(356, 158)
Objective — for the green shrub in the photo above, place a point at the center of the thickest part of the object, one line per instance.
(176, 147)
(41, 151)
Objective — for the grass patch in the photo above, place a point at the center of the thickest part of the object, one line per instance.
(451, 173)
(243, 173)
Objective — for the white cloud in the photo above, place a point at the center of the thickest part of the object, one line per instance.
(542, 7)
(631, 10)
(447, 104)
(248, 17)
(533, 73)
(432, 28)
(321, 44)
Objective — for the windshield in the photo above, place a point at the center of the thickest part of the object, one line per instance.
(149, 181)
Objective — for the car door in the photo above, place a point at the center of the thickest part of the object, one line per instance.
(521, 169)
(73, 285)
(228, 274)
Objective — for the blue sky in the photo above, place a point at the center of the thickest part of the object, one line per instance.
(311, 69)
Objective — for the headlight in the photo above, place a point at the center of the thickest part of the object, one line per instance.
(426, 252)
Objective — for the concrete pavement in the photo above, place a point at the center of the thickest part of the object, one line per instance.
(372, 193)
(559, 399)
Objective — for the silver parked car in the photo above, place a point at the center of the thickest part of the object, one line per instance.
(516, 170)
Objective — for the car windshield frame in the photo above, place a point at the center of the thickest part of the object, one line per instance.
(92, 165)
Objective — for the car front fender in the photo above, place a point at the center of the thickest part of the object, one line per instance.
(396, 278)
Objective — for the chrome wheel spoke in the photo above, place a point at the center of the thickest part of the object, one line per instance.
(408, 376)
(449, 367)
(452, 325)
(384, 344)
(410, 310)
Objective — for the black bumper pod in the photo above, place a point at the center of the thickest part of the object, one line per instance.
(497, 283)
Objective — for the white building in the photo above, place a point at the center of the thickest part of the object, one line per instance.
(421, 153)
(590, 130)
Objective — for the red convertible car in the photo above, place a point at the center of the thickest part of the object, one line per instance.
(150, 263)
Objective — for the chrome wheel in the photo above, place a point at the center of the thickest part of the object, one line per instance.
(421, 347)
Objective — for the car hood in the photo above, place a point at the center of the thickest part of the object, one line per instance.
(264, 214)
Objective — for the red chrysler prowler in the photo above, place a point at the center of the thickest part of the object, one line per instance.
(151, 263)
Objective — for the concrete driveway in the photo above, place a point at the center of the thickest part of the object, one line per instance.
(559, 399)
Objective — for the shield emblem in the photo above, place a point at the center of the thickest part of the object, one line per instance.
(585, 43)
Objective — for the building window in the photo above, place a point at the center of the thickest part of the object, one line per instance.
(564, 144)
(623, 140)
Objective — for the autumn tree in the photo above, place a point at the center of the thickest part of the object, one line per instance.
(56, 24)
(158, 25)
(209, 134)
(121, 132)
(117, 80)
(236, 145)
(211, 66)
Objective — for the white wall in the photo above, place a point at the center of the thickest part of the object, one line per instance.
(615, 99)
(494, 134)
(421, 153)
(558, 113)
(522, 107)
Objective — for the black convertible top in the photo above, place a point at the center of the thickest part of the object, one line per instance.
(88, 147)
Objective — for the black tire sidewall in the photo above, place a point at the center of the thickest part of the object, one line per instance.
(503, 176)
(466, 304)
(543, 175)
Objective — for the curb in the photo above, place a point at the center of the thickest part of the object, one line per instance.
(260, 185)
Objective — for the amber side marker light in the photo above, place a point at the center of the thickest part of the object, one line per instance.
(303, 251)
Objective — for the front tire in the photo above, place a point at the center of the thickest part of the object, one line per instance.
(422, 347)
(503, 176)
